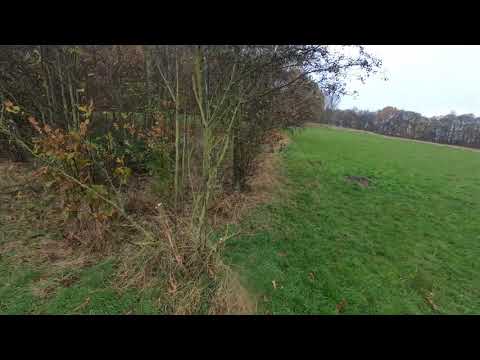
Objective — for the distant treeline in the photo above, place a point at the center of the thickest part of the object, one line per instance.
(462, 130)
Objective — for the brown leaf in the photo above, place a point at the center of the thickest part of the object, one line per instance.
(341, 306)
(282, 254)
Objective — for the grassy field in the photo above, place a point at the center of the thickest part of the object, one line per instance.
(362, 224)
(366, 225)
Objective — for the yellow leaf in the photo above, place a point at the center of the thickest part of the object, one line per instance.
(13, 109)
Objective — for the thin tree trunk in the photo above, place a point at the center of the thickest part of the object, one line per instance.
(46, 84)
(184, 146)
(148, 81)
(62, 89)
(73, 102)
(177, 135)
(237, 163)
(53, 109)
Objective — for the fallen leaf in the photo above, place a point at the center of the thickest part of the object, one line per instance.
(282, 254)
(311, 275)
(274, 284)
(341, 306)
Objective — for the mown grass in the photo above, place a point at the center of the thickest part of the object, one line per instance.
(408, 243)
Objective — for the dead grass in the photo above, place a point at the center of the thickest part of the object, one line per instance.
(261, 185)
(231, 297)
(38, 235)
(43, 288)
(30, 222)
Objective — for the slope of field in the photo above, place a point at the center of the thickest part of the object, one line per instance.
(366, 225)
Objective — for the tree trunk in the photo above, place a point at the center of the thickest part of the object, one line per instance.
(237, 161)
(177, 134)
(62, 89)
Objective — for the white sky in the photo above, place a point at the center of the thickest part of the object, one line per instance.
(429, 79)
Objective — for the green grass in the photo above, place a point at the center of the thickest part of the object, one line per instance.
(92, 292)
(384, 248)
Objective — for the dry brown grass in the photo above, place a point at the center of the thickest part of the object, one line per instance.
(174, 251)
(262, 184)
(169, 261)
(29, 222)
(232, 298)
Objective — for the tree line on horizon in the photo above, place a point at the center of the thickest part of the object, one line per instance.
(452, 129)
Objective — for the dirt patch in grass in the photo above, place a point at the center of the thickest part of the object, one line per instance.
(362, 181)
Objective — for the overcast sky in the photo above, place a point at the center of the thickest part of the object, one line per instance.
(429, 79)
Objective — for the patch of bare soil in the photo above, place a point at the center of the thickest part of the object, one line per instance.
(362, 181)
